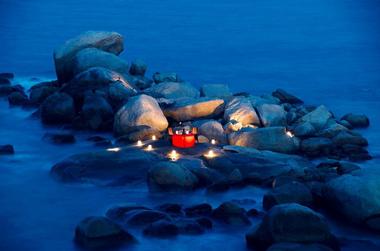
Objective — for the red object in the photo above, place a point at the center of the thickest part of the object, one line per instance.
(184, 140)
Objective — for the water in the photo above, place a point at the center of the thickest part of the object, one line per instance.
(325, 51)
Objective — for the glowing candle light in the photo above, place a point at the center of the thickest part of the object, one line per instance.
(154, 137)
(173, 155)
(116, 149)
(149, 148)
(210, 154)
(290, 134)
(139, 143)
(213, 141)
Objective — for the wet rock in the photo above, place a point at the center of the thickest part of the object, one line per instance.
(111, 42)
(215, 90)
(118, 213)
(287, 246)
(7, 75)
(97, 113)
(290, 223)
(118, 94)
(166, 77)
(203, 209)
(235, 177)
(318, 118)
(356, 120)
(144, 217)
(18, 98)
(346, 137)
(331, 130)
(230, 213)
(172, 90)
(57, 109)
(189, 226)
(98, 232)
(169, 176)
(190, 109)
(264, 99)
(5, 81)
(270, 138)
(272, 115)
(39, 94)
(60, 138)
(241, 110)
(138, 111)
(286, 97)
(162, 229)
(6, 149)
(316, 146)
(105, 167)
(293, 192)
(212, 129)
(138, 68)
(100, 140)
(92, 57)
(141, 82)
(304, 130)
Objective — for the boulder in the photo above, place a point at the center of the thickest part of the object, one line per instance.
(331, 130)
(7, 75)
(304, 130)
(111, 42)
(119, 213)
(98, 232)
(215, 90)
(6, 149)
(38, 94)
(143, 217)
(287, 246)
(97, 113)
(111, 167)
(270, 138)
(290, 223)
(5, 81)
(138, 68)
(286, 97)
(161, 228)
(316, 146)
(140, 133)
(172, 90)
(356, 120)
(212, 129)
(140, 110)
(272, 115)
(5, 90)
(118, 94)
(60, 138)
(202, 209)
(93, 57)
(264, 99)
(190, 109)
(230, 213)
(189, 226)
(318, 118)
(166, 77)
(347, 137)
(18, 98)
(241, 110)
(293, 192)
(170, 176)
(57, 109)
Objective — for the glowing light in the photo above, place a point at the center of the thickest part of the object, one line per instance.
(149, 148)
(210, 154)
(290, 134)
(139, 143)
(173, 155)
(213, 141)
(154, 137)
(116, 149)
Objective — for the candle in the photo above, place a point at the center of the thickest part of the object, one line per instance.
(154, 137)
(173, 155)
(149, 148)
(116, 149)
(213, 141)
(290, 134)
(139, 143)
(210, 154)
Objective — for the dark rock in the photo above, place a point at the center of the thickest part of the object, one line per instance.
(253, 212)
(189, 226)
(286, 97)
(166, 77)
(100, 140)
(6, 149)
(231, 213)
(356, 120)
(18, 98)
(235, 177)
(144, 217)
(287, 246)
(293, 192)
(271, 115)
(138, 68)
(347, 167)
(57, 109)
(118, 213)
(304, 130)
(316, 146)
(318, 117)
(5, 90)
(203, 209)
(171, 208)
(204, 222)
(100, 233)
(5, 81)
(346, 137)
(60, 138)
(215, 90)
(7, 75)
(97, 113)
(219, 186)
(39, 94)
(162, 229)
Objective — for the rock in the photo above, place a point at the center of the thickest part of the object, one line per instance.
(345, 123)
(331, 130)
(97, 113)
(219, 186)
(286, 97)
(100, 140)
(241, 110)
(141, 82)
(212, 129)
(165, 77)
(356, 120)
(18, 98)
(253, 212)
(232, 126)
(171, 208)
(189, 226)
(105, 167)
(264, 99)
(346, 168)
(98, 232)
(92, 57)
(7, 75)
(169, 176)
(316, 146)
(357, 198)
(138, 68)
(5, 90)
(290, 223)
(60, 138)
(270, 138)
(118, 213)
(6, 149)
(272, 115)
(215, 90)
(161, 228)
(118, 94)
(202, 139)
(172, 90)
(5, 81)
(293, 192)
(39, 94)
(138, 111)
(93, 79)
(140, 133)
(190, 109)
(235, 177)
(346, 137)
(141, 217)
(111, 42)
(203, 209)
(318, 118)
(204, 222)
(57, 109)
(304, 130)
(287, 246)
(232, 214)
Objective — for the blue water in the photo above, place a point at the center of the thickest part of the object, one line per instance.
(325, 51)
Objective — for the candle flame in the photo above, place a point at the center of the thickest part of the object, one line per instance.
(149, 148)
(210, 154)
(290, 134)
(173, 155)
(139, 143)
(213, 141)
(116, 149)
(154, 137)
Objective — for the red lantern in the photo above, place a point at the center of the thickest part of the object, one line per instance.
(184, 140)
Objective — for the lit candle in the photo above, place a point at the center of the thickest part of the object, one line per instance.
(213, 141)
(154, 137)
(149, 148)
(116, 149)
(173, 155)
(210, 154)
(290, 134)
(139, 143)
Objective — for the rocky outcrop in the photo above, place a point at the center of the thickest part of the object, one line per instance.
(138, 68)
(241, 110)
(57, 109)
(211, 129)
(318, 118)
(172, 90)
(356, 120)
(272, 115)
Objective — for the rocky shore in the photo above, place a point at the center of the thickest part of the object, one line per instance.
(307, 158)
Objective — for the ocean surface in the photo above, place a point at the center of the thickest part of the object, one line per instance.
(324, 51)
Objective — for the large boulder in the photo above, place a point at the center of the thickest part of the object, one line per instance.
(39, 93)
(211, 129)
(286, 97)
(57, 109)
(270, 138)
(290, 223)
(215, 91)
(316, 146)
(356, 120)
(172, 90)
(111, 42)
(241, 110)
(113, 167)
(272, 115)
(96, 112)
(347, 137)
(138, 68)
(18, 98)
(92, 57)
(138, 111)
(318, 118)
(357, 197)
(170, 176)
(231, 213)
(190, 109)
(97, 232)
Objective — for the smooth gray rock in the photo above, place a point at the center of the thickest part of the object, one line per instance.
(172, 90)
(272, 115)
(111, 42)
(211, 129)
(318, 117)
(57, 109)
(141, 110)
(215, 90)
(356, 120)
(304, 129)
(241, 110)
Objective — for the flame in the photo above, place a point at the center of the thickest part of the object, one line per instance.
(149, 148)
(173, 155)
(290, 134)
(210, 154)
(154, 137)
(213, 141)
(116, 149)
(139, 143)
